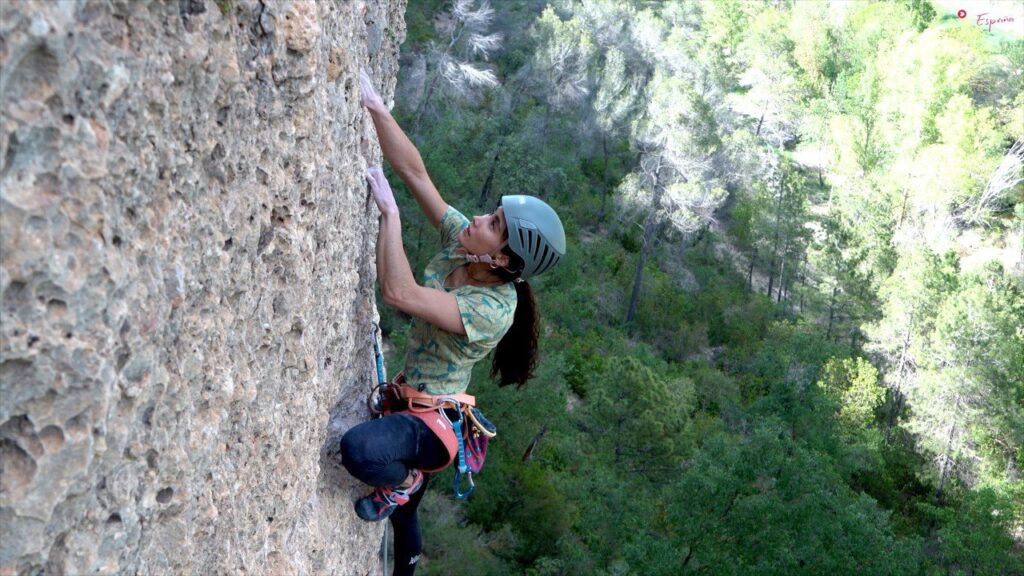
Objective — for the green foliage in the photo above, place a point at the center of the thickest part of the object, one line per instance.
(852, 383)
(765, 504)
(585, 362)
(974, 538)
(446, 550)
(892, 477)
(636, 418)
(541, 514)
(418, 16)
(738, 426)
(963, 334)
(923, 13)
(224, 6)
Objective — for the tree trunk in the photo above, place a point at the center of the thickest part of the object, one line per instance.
(650, 225)
(604, 177)
(782, 280)
(638, 276)
(943, 467)
(419, 237)
(868, 126)
(831, 311)
(775, 240)
(700, 235)
(423, 105)
(486, 190)
(544, 126)
(903, 207)
(760, 121)
(901, 370)
(750, 271)
(782, 272)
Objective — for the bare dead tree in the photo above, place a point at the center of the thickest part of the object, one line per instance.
(456, 65)
(1006, 176)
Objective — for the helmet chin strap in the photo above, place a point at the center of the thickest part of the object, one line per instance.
(485, 258)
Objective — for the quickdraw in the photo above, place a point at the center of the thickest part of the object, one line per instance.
(381, 382)
(462, 468)
(375, 398)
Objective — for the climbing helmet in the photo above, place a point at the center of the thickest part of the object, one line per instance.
(535, 233)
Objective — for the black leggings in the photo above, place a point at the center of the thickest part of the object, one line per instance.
(380, 453)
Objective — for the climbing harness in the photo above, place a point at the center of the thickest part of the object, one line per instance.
(453, 418)
(465, 436)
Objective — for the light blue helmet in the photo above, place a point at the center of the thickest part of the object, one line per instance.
(535, 233)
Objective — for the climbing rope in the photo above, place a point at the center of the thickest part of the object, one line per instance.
(384, 552)
(374, 403)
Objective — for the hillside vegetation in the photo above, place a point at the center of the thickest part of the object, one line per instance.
(788, 337)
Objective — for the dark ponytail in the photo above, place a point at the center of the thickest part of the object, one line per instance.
(515, 358)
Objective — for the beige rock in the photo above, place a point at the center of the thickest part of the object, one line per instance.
(301, 26)
(186, 284)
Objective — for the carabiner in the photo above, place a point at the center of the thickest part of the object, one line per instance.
(458, 477)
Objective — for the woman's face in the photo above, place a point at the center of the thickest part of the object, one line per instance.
(485, 234)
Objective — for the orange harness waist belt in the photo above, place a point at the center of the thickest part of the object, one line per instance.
(430, 409)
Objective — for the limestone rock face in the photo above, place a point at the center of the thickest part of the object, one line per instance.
(186, 286)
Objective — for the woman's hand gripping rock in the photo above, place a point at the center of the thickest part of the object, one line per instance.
(368, 95)
(381, 190)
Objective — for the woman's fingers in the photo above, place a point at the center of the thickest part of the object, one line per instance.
(368, 95)
(378, 180)
(381, 190)
(365, 85)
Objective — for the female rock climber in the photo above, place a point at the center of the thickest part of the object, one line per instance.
(474, 298)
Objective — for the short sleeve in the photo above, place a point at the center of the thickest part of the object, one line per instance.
(486, 314)
(452, 224)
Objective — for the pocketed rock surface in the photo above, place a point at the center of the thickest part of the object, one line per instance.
(186, 286)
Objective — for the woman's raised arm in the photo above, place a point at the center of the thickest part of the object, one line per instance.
(400, 152)
(397, 284)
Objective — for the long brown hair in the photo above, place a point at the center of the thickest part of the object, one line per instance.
(515, 358)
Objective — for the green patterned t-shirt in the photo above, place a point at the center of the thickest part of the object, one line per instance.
(443, 360)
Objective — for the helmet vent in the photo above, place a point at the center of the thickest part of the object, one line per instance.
(551, 262)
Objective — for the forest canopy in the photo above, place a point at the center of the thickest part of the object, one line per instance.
(788, 337)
